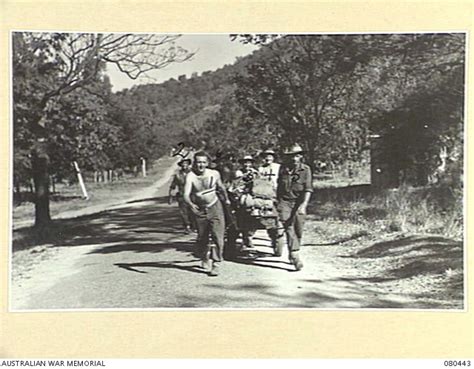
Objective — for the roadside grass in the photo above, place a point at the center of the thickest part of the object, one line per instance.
(69, 198)
(415, 234)
(423, 210)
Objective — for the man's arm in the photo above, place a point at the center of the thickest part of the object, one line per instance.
(279, 188)
(308, 189)
(188, 185)
(221, 188)
(302, 208)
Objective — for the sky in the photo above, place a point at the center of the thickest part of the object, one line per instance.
(213, 51)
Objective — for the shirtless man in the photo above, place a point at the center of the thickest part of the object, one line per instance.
(200, 193)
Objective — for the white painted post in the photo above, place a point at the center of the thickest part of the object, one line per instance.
(81, 181)
(143, 166)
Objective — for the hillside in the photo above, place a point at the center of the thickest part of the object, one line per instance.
(179, 104)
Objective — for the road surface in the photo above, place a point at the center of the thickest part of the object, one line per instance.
(135, 256)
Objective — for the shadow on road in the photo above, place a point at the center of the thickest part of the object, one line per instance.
(147, 226)
(136, 267)
(152, 247)
(132, 228)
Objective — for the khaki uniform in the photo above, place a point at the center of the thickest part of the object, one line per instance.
(292, 185)
(187, 216)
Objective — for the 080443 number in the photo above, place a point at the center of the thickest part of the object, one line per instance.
(457, 363)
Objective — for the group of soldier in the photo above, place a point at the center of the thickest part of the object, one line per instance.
(205, 192)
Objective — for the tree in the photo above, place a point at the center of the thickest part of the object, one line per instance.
(231, 131)
(49, 66)
(80, 129)
(324, 90)
(418, 108)
(303, 85)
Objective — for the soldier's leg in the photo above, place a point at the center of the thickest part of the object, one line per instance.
(202, 242)
(217, 229)
(230, 248)
(276, 235)
(192, 219)
(184, 212)
(299, 226)
(285, 212)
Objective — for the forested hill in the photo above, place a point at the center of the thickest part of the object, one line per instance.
(173, 108)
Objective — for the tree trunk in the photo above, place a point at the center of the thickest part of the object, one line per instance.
(40, 164)
(53, 184)
(311, 155)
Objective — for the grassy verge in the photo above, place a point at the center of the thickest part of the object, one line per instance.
(68, 198)
(409, 240)
(427, 210)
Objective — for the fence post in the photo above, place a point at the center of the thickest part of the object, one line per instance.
(81, 181)
(143, 166)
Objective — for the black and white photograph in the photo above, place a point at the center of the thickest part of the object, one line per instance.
(205, 171)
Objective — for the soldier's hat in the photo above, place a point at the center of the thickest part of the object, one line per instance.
(268, 151)
(293, 150)
(180, 163)
(247, 158)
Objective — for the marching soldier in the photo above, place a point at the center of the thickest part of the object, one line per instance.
(177, 182)
(245, 175)
(293, 194)
(270, 170)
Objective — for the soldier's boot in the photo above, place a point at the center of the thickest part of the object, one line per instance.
(206, 262)
(214, 272)
(295, 259)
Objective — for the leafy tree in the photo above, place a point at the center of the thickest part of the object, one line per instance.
(49, 66)
(303, 86)
(231, 131)
(424, 125)
(80, 129)
(323, 91)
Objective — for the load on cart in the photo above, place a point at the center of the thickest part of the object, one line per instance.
(253, 206)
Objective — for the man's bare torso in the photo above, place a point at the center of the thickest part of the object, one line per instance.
(203, 187)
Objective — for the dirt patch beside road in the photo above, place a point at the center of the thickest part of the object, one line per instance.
(409, 271)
